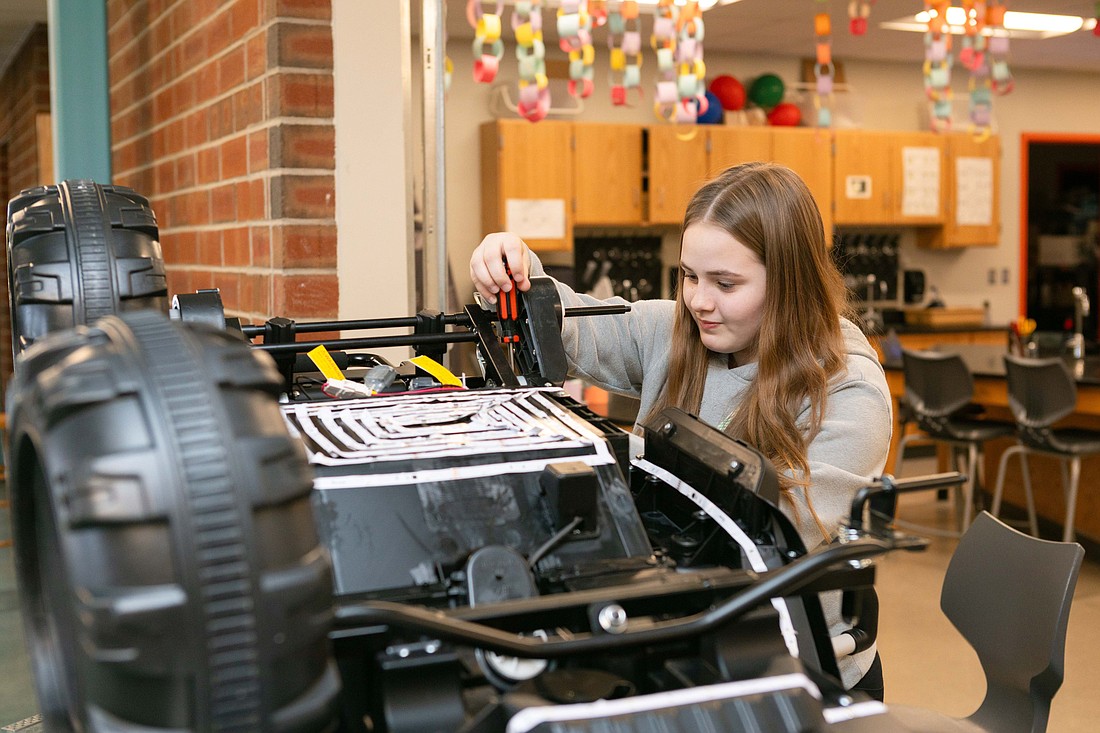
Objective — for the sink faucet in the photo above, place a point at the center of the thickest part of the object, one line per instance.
(1080, 312)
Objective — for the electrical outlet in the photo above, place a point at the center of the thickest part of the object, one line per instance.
(991, 277)
(1004, 276)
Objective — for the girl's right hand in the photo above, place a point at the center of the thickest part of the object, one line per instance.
(487, 265)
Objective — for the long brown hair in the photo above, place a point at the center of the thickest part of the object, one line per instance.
(799, 347)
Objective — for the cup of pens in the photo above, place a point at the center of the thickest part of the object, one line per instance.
(1023, 329)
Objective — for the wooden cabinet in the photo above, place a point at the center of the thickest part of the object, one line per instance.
(527, 181)
(972, 209)
(677, 167)
(735, 145)
(808, 152)
(539, 180)
(607, 174)
(888, 178)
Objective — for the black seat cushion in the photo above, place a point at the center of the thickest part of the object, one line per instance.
(976, 430)
(1073, 441)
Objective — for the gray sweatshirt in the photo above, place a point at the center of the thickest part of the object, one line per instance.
(629, 353)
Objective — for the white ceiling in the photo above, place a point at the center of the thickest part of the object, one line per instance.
(785, 28)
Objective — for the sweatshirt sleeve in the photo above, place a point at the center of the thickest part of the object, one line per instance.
(848, 451)
(613, 351)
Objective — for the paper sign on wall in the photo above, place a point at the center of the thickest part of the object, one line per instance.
(920, 194)
(535, 218)
(973, 191)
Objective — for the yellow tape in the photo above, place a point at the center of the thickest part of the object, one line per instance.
(324, 362)
(437, 370)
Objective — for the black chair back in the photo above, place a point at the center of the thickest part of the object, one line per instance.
(1040, 391)
(936, 385)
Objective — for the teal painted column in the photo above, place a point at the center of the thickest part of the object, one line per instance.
(79, 95)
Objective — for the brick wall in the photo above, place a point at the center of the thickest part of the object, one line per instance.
(25, 89)
(221, 113)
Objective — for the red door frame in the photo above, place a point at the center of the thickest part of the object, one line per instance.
(1026, 139)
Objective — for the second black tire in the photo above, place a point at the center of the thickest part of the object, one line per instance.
(78, 251)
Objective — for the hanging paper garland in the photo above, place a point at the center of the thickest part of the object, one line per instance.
(488, 49)
(534, 86)
(1002, 81)
(858, 12)
(974, 57)
(575, 38)
(692, 72)
(663, 42)
(1096, 27)
(624, 39)
(937, 63)
(824, 70)
(598, 10)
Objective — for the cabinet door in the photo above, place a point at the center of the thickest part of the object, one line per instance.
(919, 178)
(677, 168)
(527, 181)
(734, 145)
(972, 216)
(888, 178)
(809, 153)
(607, 173)
(863, 182)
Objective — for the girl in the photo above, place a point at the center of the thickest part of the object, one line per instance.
(755, 344)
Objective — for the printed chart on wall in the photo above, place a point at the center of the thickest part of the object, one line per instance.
(973, 191)
(921, 182)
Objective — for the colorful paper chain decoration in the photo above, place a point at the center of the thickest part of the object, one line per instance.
(1096, 28)
(534, 86)
(575, 38)
(663, 42)
(937, 63)
(858, 13)
(824, 70)
(1002, 81)
(488, 48)
(973, 57)
(624, 40)
(692, 72)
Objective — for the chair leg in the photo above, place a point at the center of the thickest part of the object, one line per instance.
(998, 490)
(971, 485)
(1071, 497)
(1031, 518)
(900, 455)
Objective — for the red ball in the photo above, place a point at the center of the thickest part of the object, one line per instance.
(730, 92)
(785, 114)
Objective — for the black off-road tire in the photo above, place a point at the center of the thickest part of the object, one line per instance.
(78, 251)
(170, 570)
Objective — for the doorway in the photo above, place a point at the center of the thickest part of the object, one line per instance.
(1060, 251)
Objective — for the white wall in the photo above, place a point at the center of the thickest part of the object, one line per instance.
(889, 97)
(374, 163)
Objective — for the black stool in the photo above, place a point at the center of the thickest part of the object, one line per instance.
(938, 392)
(1041, 392)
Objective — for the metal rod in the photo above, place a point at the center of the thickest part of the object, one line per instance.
(375, 342)
(450, 319)
(435, 160)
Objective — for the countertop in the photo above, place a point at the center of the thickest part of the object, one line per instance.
(988, 361)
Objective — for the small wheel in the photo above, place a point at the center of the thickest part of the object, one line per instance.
(78, 251)
(171, 575)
